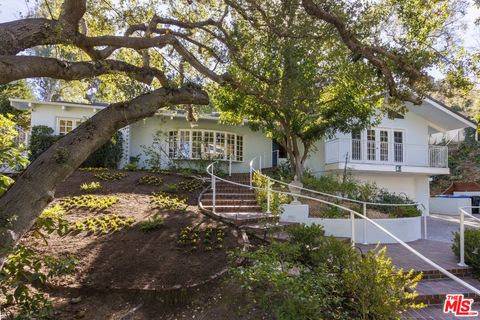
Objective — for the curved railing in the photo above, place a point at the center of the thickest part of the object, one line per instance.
(353, 214)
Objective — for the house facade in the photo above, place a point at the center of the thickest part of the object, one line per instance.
(395, 154)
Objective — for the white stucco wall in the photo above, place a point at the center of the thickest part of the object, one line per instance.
(416, 187)
(48, 115)
(254, 143)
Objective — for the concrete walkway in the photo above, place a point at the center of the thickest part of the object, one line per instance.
(442, 227)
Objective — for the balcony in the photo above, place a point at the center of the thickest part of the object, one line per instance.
(386, 156)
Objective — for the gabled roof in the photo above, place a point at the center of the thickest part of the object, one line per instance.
(441, 117)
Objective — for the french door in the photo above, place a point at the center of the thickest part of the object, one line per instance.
(378, 145)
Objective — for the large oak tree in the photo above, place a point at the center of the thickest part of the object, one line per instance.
(169, 51)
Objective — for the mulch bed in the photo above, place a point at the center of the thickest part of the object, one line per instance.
(131, 259)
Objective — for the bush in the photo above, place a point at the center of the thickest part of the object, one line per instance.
(42, 138)
(108, 155)
(276, 199)
(151, 224)
(311, 276)
(472, 248)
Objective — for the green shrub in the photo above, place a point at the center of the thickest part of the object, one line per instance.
(108, 155)
(151, 224)
(42, 138)
(131, 166)
(311, 276)
(91, 187)
(276, 199)
(472, 248)
(24, 273)
(333, 213)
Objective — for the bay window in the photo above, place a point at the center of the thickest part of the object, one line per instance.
(204, 144)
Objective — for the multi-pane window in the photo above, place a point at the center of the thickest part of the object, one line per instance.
(172, 144)
(398, 146)
(196, 144)
(184, 145)
(67, 125)
(356, 145)
(383, 145)
(205, 144)
(239, 148)
(371, 145)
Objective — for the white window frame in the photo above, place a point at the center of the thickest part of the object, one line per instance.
(203, 147)
(391, 145)
(75, 123)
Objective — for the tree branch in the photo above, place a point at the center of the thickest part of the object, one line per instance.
(21, 67)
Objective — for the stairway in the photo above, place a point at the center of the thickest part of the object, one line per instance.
(234, 202)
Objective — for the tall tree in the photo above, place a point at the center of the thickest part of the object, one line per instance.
(296, 85)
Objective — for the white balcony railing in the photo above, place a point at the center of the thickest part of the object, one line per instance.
(382, 152)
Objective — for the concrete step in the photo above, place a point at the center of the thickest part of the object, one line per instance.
(232, 190)
(230, 202)
(236, 209)
(434, 291)
(221, 196)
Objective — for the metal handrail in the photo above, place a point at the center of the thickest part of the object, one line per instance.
(353, 213)
(463, 212)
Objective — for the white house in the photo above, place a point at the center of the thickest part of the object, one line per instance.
(396, 154)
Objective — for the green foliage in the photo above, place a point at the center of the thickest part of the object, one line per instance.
(42, 138)
(151, 224)
(105, 224)
(170, 188)
(52, 220)
(276, 199)
(190, 185)
(91, 187)
(163, 201)
(11, 154)
(108, 155)
(208, 239)
(93, 169)
(18, 90)
(89, 202)
(311, 276)
(26, 268)
(111, 176)
(132, 166)
(472, 248)
(362, 191)
(150, 180)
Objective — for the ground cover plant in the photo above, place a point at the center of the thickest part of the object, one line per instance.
(190, 185)
(194, 238)
(151, 224)
(163, 201)
(91, 187)
(150, 180)
(89, 202)
(102, 225)
(311, 276)
(276, 199)
(93, 169)
(110, 176)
